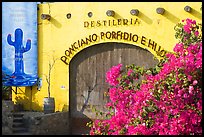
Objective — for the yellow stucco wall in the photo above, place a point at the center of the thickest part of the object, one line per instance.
(56, 37)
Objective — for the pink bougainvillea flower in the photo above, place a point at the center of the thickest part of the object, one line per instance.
(167, 103)
(195, 82)
(113, 74)
(196, 33)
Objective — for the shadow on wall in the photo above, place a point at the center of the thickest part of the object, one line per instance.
(171, 17)
(196, 14)
(24, 100)
(145, 18)
(56, 23)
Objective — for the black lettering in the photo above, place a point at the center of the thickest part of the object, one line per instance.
(73, 45)
(104, 22)
(83, 42)
(79, 43)
(131, 21)
(70, 50)
(94, 37)
(130, 36)
(114, 35)
(67, 53)
(162, 53)
(133, 38)
(152, 44)
(119, 21)
(92, 23)
(109, 22)
(114, 23)
(126, 36)
(108, 37)
(125, 21)
(86, 24)
(64, 59)
(98, 23)
(136, 21)
(158, 51)
(88, 39)
(102, 35)
(143, 40)
(119, 33)
(159, 48)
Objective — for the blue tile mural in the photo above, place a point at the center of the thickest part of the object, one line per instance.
(19, 43)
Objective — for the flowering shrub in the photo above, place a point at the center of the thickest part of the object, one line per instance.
(112, 75)
(165, 100)
(188, 33)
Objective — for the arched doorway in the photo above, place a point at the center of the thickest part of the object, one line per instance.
(87, 78)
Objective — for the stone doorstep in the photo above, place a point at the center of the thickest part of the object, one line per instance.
(18, 124)
(27, 115)
(18, 119)
(18, 129)
(24, 133)
(18, 114)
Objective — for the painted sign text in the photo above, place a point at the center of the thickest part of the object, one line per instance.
(114, 22)
(112, 35)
